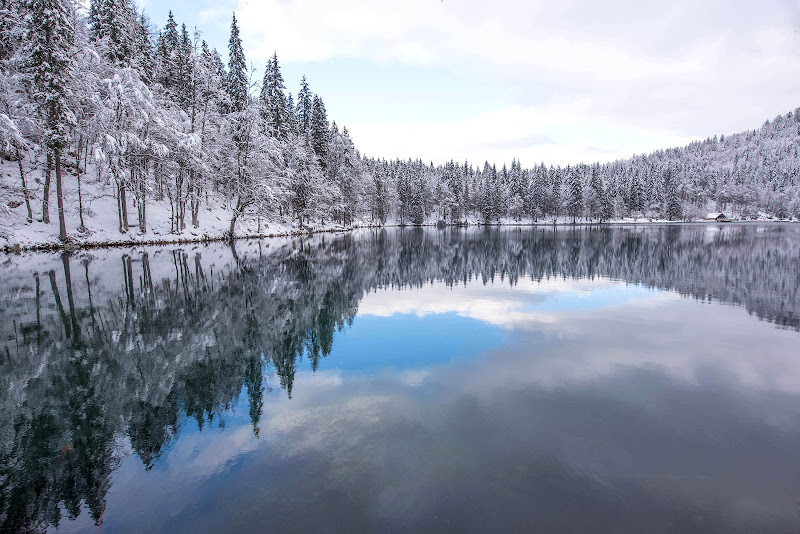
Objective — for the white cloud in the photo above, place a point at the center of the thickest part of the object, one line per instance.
(561, 133)
(621, 76)
(500, 305)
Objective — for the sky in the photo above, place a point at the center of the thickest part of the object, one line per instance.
(554, 81)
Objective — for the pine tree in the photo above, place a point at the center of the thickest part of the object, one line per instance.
(606, 203)
(417, 207)
(166, 52)
(575, 194)
(184, 63)
(674, 208)
(636, 196)
(305, 106)
(379, 199)
(486, 184)
(404, 193)
(555, 193)
(143, 50)
(95, 24)
(11, 30)
(319, 130)
(594, 198)
(273, 101)
(294, 125)
(211, 74)
(237, 70)
(112, 25)
(537, 193)
(49, 41)
(498, 194)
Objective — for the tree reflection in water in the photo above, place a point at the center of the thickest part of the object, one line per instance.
(95, 352)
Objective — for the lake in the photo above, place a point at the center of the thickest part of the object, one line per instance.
(590, 379)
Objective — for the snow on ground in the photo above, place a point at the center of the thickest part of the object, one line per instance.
(101, 218)
(102, 223)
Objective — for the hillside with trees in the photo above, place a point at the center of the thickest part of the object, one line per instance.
(114, 130)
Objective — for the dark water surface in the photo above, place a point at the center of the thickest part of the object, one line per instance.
(637, 379)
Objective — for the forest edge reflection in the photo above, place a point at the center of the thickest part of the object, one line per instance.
(90, 355)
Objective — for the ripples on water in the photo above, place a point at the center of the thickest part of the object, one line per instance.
(638, 379)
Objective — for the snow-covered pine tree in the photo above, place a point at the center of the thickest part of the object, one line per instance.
(20, 126)
(49, 46)
(273, 100)
(319, 130)
(143, 49)
(594, 196)
(237, 70)
(539, 193)
(498, 192)
(166, 51)
(291, 113)
(379, 196)
(305, 104)
(404, 193)
(185, 88)
(606, 203)
(555, 193)
(674, 209)
(112, 26)
(12, 27)
(574, 194)
(636, 200)
(418, 194)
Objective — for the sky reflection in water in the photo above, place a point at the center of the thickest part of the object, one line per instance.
(574, 405)
(568, 404)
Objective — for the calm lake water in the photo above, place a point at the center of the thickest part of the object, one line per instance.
(637, 379)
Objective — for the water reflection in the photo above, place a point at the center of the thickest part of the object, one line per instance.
(492, 379)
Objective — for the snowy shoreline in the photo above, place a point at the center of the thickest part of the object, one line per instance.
(180, 239)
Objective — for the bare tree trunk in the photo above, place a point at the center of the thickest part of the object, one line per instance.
(237, 210)
(139, 191)
(86, 153)
(62, 226)
(180, 202)
(24, 187)
(196, 211)
(233, 223)
(119, 211)
(172, 224)
(46, 197)
(124, 203)
(195, 203)
(142, 207)
(78, 172)
(122, 207)
(159, 180)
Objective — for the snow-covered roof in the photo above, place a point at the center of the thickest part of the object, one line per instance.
(715, 215)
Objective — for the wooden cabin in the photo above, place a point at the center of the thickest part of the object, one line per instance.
(717, 216)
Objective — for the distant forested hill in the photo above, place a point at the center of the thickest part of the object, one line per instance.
(747, 175)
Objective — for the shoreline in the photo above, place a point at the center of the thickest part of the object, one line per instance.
(178, 240)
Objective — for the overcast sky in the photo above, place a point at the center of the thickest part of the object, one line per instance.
(556, 81)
